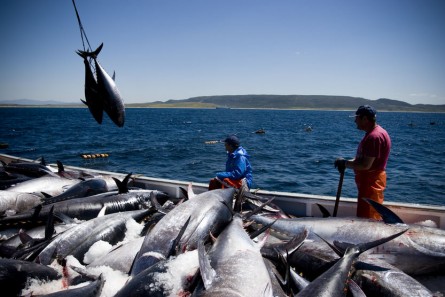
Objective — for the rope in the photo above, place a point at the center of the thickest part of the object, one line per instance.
(82, 31)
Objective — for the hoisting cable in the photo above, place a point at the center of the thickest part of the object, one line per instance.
(82, 31)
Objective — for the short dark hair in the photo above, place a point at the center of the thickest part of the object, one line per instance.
(232, 140)
(366, 111)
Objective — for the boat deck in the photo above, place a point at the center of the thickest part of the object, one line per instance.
(297, 204)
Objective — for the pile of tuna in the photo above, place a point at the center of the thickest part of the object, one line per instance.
(71, 233)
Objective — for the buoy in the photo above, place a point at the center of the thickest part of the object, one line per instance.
(94, 156)
(212, 142)
(3, 145)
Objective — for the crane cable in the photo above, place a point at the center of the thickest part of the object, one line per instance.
(82, 31)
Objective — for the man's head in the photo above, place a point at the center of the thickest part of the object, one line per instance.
(365, 118)
(366, 111)
(232, 141)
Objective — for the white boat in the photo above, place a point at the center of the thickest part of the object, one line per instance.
(297, 204)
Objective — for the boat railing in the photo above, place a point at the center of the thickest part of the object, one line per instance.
(296, 204)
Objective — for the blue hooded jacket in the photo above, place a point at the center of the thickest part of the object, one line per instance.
(237, 166)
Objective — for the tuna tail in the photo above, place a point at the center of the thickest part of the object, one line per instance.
(85, 54)
(122, 185)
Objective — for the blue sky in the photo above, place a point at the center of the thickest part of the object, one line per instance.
(165, 49)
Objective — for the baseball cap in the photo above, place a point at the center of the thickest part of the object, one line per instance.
(365, 110)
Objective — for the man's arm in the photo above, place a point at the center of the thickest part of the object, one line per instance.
(364, 163)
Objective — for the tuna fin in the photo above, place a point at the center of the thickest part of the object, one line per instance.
(36, 213)
(324, 211)
(369, 245)
(388, 216)
(42, 161)
(122, 185)
(85, 54)
(355, 289)
(184, 193)
(190, 193)
(24, 237)
(49, 228)
(60, 166)
(175, 247)
(261, 230)
(46, 195)
(293, 244)
(258, 209)
(64, 218)
(156, 204)
(207, 272)
(102, 212)
(339, 250)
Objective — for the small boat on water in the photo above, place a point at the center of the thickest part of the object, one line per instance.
(297, 204)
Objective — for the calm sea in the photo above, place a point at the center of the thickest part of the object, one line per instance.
(171, 143)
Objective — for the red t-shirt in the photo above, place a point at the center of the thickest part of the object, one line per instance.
(377, 144)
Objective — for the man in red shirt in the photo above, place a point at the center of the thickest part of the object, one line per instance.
(370, 161)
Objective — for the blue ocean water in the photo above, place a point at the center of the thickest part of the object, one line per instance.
(171, 143)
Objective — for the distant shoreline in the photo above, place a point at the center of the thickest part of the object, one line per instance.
(206, 107)
(259, 102)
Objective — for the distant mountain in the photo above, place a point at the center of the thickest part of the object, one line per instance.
(319, 102)
(293, 102)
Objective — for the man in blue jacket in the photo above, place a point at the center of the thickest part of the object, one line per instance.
(237, 167)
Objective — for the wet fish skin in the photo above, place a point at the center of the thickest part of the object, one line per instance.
(94, 100)
(92, 289)
(110, 99)
(120, 258)
(85, 188)
(51, 184)
(31, 169)
(239, 268)
(424, 243)
(77, 240)
(378, 278)
(167, 277)
(17, 201)
(85, 208)
(208, 212)
(14, 274)
(332, 283)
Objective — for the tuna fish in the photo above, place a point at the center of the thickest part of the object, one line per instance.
(206, 213)
(170, 277)
(102, 92)
(13, 202)
(423, 243)
(84, 188)
(14, 274)
(333, 282)
(77, 240)
(85, 208)
(378, 278)
(234, 266)
(94, 101)
(52, 185)
(32, 169)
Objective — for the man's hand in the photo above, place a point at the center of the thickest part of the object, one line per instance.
(340, 164)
